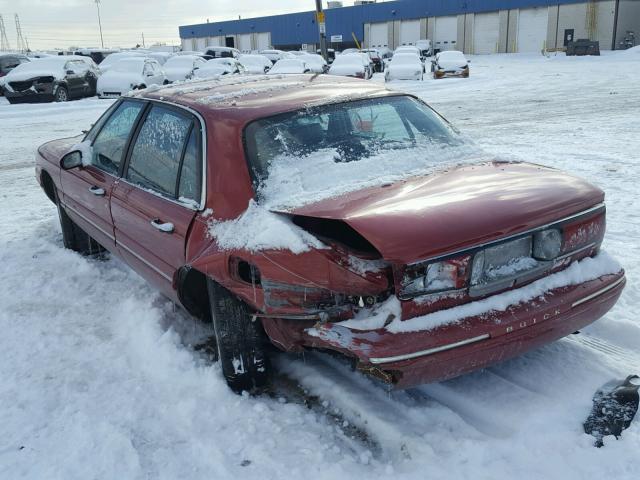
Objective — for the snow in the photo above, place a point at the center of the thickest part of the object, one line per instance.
(292, 182)
(259, 229)
(99, 379)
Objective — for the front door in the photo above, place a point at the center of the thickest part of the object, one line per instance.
(86, 190)
(155, 202)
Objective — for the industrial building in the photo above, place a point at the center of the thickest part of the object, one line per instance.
(472, 26)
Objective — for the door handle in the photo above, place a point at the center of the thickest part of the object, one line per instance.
(163, 227)
(97, 191)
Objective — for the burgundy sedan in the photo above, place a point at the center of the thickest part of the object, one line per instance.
(416, 275)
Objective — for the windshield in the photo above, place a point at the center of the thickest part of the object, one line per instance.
(344, 133)
(129, 65)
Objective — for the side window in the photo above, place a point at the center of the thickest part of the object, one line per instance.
(148, 69)
(158, 150)
(190, 174)
(108, 147)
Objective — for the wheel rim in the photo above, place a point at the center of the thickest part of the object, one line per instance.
(61, 95)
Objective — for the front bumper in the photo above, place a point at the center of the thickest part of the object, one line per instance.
(409, 359)
(40, 94)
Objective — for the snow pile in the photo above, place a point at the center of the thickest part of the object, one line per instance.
(259, 229)
(294, 181)
(86, 150)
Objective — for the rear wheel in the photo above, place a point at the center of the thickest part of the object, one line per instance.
(73, 237)
(240, 341)
(61, 94)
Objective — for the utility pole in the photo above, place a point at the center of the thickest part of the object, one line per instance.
(22, 45)
(143, 45)
(322, 29)
(99, 22)
(4, 41)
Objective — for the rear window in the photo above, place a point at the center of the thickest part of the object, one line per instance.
(345, 132)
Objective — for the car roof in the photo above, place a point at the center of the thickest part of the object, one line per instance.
(246, 98)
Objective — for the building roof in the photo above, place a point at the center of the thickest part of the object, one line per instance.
(300, 27)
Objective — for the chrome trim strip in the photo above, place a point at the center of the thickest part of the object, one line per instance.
(573, 252)
(90, 221)
(598, 293)
(515, 235)
(153, 267)
(421, 353)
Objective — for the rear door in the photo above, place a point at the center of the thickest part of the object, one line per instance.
(154, 204)
(74, 76)
(86, 190)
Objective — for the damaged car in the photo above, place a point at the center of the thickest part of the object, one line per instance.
(52, 79)
(323, 212)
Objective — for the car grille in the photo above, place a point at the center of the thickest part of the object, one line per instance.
(21, 86)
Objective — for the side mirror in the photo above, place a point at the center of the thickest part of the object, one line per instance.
(71, 160)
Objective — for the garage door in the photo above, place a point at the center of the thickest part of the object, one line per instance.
(446, 32)
(215, 41)
(201, 44)
(409, 32)
(379, 35)
(263, 40)
(485, 32)
(244, 42)
(532, 29)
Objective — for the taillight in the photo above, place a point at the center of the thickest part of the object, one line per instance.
(582, 233)
(450, 274)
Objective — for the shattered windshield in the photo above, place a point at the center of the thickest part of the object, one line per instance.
(345, 132)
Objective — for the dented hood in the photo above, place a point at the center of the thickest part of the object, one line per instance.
(433, 215)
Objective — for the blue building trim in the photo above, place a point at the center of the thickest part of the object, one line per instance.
(298, 28)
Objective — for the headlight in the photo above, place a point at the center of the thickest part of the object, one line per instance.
(547, 244)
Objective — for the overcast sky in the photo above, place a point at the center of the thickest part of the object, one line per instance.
(63, 23)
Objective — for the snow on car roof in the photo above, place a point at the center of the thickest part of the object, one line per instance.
(42, 67)
(128, 64)
(264, 95)
(181, 60)
(452, 55)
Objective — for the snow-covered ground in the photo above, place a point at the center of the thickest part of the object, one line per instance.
(98, 378)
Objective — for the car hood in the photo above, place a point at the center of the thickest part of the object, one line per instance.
(350, 69)
(424, 217)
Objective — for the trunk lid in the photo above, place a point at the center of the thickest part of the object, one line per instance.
(424, 217)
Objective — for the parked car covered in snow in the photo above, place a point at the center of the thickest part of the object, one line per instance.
(182, 67)
(130, 74)
(219, 66)
(314, 62)
(404, 66)
(58, 79)
(352, 65)
(274, 55)
(222, 52)
(289, 66)
(425, 47)
(451, 63)
(432, 264)
(254, 63)
(376, 58)
(114, 58)
(9, 61)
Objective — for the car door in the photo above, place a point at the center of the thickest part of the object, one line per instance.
(86, 190)
(155, 202)
(74, 77)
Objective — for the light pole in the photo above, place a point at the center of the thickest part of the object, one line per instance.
(99, 22)
(322, 28)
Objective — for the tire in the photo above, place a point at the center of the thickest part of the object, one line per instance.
(73, 237)
(61, 95)
(240, 341)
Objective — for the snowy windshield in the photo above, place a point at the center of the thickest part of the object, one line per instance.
(129, 65)
(364, 131)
